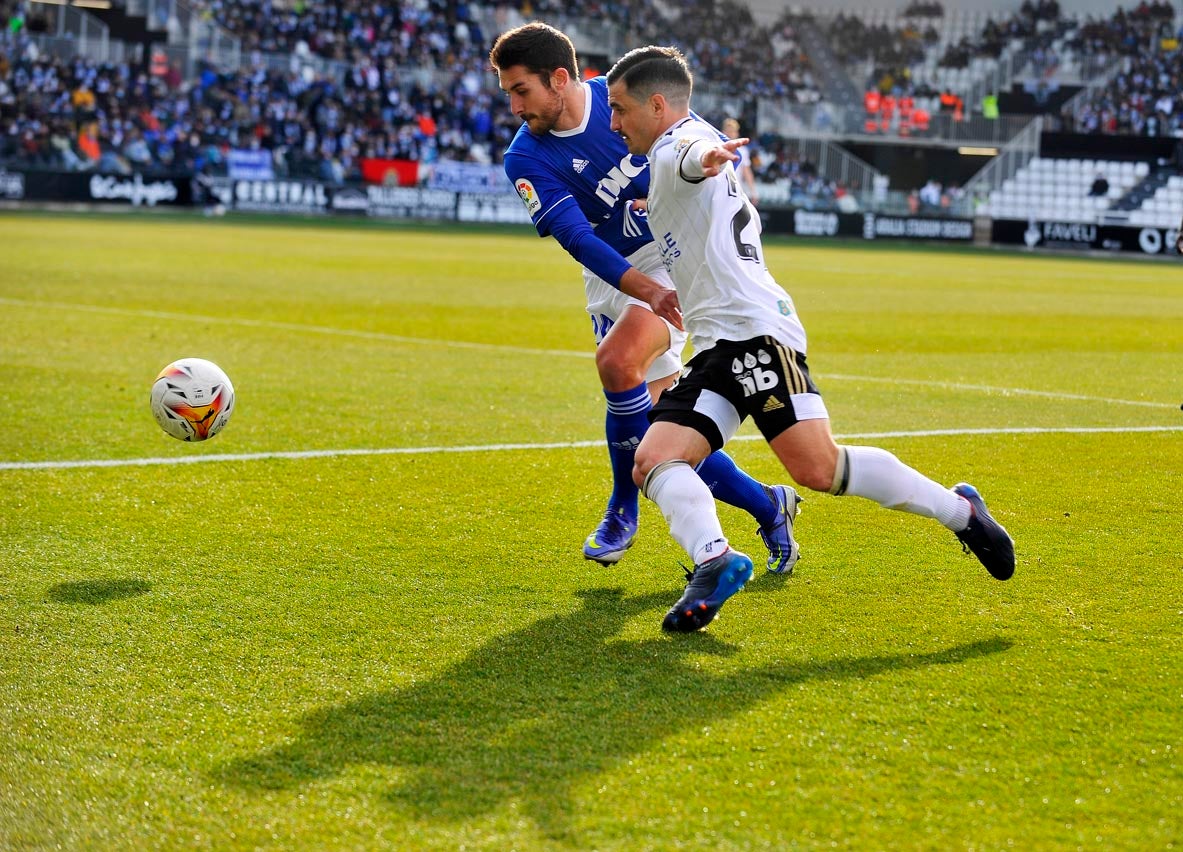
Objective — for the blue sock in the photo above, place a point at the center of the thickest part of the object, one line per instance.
(624, 427)
(733, 486)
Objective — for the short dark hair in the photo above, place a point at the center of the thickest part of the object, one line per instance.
(537, 47)
(647, 70)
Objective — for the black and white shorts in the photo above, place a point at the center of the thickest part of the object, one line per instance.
(721, 387)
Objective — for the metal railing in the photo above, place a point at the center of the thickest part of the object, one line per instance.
(999, 77)
(826, 121)
(1077, 102)
(589, 35)
(157, 13)
(834, 163)
(195, 37)
(71, 33)
(1013, 156)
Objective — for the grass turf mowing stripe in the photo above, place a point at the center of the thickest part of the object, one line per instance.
(524, 350)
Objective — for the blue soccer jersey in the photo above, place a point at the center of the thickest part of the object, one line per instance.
(577, 185)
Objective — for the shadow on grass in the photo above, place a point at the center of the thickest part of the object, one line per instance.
(529, 716)
(97, 591)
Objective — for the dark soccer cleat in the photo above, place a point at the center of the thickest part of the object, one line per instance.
(708, 586)
(783, 551)
(985, 537)
(612, 538)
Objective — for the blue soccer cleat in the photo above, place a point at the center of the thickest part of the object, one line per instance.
(783, 550)
(985, 537)
(708, 586)
(612, 538)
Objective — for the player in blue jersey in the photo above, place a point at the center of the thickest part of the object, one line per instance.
(582, 186)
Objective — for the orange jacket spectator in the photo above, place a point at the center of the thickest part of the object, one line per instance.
(872, 102)
(907, 106)
(83, 99)
(88, 142)
(886, 112)
(952, 103)
(148, 120)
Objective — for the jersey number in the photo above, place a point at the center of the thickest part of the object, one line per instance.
(747, 251)
(742, 218)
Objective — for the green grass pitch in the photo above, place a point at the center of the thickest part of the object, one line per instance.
(401, 647)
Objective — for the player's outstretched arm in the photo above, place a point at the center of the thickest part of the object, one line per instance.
(663, 300)
(714, 158)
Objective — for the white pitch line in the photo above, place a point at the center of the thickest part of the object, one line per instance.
(564, 445)
(997, 390)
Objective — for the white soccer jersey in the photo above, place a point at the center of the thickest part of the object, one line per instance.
(709, 236)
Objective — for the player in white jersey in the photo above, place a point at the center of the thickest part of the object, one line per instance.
(750, 352)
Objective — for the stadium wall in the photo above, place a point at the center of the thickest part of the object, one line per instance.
(419, 203)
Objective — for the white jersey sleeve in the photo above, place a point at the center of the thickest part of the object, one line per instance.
(709, 236)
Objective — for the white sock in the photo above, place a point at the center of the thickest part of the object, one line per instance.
(878, 475)
(689, 509)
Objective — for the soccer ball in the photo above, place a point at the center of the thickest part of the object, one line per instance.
(192, 399)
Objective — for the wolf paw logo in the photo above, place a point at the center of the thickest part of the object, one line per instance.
(750, 373)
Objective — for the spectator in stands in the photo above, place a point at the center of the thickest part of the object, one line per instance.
(1100, 187)
(844, 200)
(410, 81)
(930, 196)
(64, 154)
(89, 146)
(136, 151)
(743, 166)
(397, 63)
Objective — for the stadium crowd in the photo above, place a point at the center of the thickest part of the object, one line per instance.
(733, 53)
(1147, 98)
(415, 85)
(414, 82)
(116, 117)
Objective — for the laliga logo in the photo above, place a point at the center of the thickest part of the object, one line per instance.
(750, 375)
(529, 196)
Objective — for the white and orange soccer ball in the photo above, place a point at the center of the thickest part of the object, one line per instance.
(192, 399)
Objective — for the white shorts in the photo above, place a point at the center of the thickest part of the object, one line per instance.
(606, 305)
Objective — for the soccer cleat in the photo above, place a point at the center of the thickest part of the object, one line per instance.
(708, 586)
(783, 551)
(611, 539)
(985, 537)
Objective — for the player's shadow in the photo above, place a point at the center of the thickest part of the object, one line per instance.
(530, 715)
(97, 591)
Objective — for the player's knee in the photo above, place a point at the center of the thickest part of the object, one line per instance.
(816, 474)
(618, 370)
(643, 462)
(639, 475)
